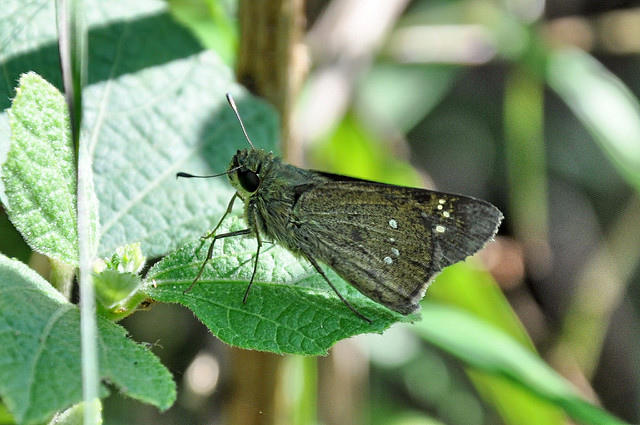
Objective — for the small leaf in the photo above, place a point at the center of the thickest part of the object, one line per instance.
(117, 293)
(40, 351)
(117, 283)
(127, 259)
(75, 415)
(39, 173)
(290, 308)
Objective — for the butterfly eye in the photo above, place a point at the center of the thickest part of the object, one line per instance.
(249, 180)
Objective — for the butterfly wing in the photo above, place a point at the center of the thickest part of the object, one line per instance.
(389, 241)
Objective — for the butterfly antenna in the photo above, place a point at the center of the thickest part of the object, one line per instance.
(232, 103)
(193, 176)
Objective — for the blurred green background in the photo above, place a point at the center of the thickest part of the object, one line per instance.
(528, 105)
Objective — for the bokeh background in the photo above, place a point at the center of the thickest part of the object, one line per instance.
(528, 104)
(531, 105)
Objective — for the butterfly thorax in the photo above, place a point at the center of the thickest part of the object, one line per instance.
(269, 200)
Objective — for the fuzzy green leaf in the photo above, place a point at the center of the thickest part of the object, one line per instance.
(39, 173)
(290, 308)
(75, 415)
(40, 351)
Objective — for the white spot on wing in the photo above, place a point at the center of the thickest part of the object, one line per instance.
(388, 260)
(395, 252)
(393, 224)
(440, 229)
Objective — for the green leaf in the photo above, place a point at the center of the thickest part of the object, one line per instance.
(147, 116)
(117, 282)
(212, 22)
(290, 308)
(608, 109)
(75, 415)
(40, 351)
(126, 259)
(465, 337)
(29, 36)
(117, 293)
(39, 173)
(475, 291)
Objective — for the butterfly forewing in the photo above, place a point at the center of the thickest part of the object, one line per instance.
(389, 241)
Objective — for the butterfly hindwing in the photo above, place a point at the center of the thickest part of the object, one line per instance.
(390, 241)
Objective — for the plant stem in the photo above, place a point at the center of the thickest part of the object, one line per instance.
(269, 32)
(525, 155)
(73, 57)
(269, 63)
(61, 277)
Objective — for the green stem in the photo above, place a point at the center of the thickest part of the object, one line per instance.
(602, 286)
(73, 58)
(61, 276)
(305, 397)
(526, 169)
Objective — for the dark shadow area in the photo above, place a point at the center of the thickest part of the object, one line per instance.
(114, 50)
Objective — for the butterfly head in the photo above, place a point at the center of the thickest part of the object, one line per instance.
(248, 168)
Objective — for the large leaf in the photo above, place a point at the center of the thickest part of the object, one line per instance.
(40, 351)
(465, 337)
(147, 116)
(474, 290)
(177, 121)
(608, 109)
(290, 308)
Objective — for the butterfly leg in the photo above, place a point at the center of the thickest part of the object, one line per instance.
(226, 213)
(210, 252)
(216, 237)
(343, 299)
(255, 263)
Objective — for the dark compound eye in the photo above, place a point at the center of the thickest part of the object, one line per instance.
(249, 180)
